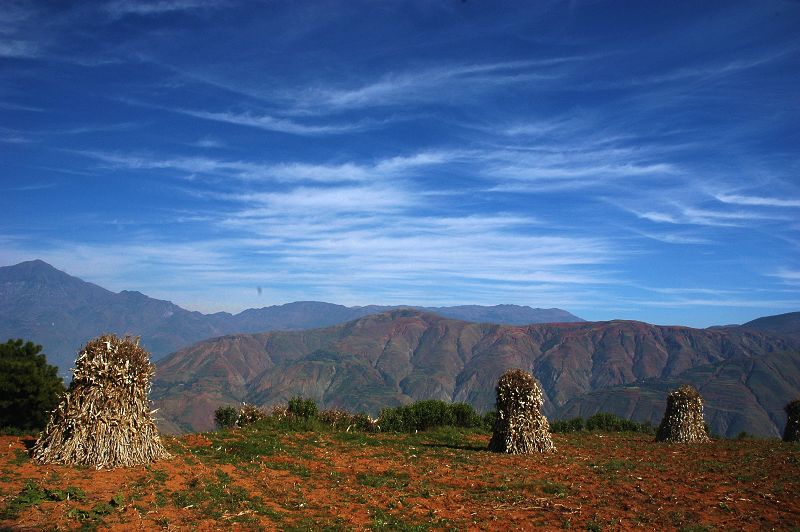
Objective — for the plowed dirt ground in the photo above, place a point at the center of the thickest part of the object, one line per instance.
(276, 478)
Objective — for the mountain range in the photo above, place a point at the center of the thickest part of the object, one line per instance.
(41, 303)
(392, 358)
(366, 358)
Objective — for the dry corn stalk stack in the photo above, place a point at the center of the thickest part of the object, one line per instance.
(792, 430)
(104, 419)
(683, 419)
(520, 427)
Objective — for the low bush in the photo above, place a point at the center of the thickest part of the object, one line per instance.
(303, 414)
(304, 408)
(488, 420)
(603, 422)
(575, 424)
(424, 415)
(225, 417)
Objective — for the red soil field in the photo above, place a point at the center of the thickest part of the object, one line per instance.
(271, 478)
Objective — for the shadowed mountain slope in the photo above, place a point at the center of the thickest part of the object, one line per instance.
(783, 324)
(741, 394)
(404, 355)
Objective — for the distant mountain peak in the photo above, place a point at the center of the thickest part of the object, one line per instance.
(37, 271)
(62, 312)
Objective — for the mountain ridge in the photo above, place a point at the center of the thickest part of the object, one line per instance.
(787, 324)
(404, 355)
(62, 312)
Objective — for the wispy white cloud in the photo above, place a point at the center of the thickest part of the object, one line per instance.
(393, 89)
(19, 107)
(673, 238)
(568, 171)
(271, 123)
(343, 251)
(121, 8)
(19, 49)
(310, 200)
(658, 217)
(12, 13)
(424, 84)
(708, 71)
(757, 201)
(15, 139)
(679, 214)
(727, 302)
(787, 275)
(32, 187)
(567, 165)
(692, 291)
(390, 167)
(208, 142)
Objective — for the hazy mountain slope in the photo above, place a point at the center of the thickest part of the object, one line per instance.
(740, 394)
(405, 355)
(783, 324)
(61, 312)
(505, 314)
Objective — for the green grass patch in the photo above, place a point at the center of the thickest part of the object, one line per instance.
(33, 494)
(159, 475)
(613, 466)
(358, 438)
(218, 497)
(324, 525)
(387, 479)
(556, 489)
(712, 466)
(382, 520)
(20, 457)
(239, 447)
(296, 469)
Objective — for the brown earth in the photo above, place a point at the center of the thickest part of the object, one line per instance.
(279, 479)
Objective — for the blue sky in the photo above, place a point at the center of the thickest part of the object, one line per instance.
(633, 160)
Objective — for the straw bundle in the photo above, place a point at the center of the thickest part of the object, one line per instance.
(520, 427)
(104, 419)
(683, 419)
(792, 430)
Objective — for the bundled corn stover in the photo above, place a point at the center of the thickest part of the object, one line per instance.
(104, 419)
(683, 419)
(520, 427)
(792, 430)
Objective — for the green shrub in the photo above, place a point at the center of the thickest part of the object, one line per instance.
(575, 424)
(424, 415)
(29, 387)
(304, 408)
(225, 417)
(602, 421)
(488, 420)
(465, 416)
